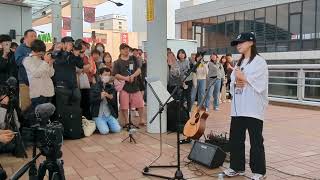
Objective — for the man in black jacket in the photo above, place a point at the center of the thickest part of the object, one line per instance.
(8, 65)
(104, 106)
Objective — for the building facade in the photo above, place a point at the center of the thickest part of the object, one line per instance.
(287, 32)
(111, 22)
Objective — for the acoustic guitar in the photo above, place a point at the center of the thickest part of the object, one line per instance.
(196, 125)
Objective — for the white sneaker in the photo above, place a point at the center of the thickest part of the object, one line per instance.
(136, 113)
(231, 173)
(258, 176)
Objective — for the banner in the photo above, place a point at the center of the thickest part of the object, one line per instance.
(124, 38)
(66, 23)
(89, 14)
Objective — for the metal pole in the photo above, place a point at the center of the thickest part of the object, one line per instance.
(77, 19)
(156, 48)
(56, 19)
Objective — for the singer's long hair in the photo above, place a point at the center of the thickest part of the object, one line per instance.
(253, 54)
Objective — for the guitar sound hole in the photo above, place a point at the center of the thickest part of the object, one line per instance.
(197, 116)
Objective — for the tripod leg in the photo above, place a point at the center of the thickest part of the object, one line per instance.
(60, 170)
(42, 170)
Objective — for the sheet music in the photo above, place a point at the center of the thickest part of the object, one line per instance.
(161, 91)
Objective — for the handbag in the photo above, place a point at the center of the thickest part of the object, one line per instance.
(118, 85)
(88, 126)
(84, 81)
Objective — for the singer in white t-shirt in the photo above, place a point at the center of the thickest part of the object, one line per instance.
(249, 88)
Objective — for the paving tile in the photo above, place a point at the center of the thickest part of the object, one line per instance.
(93, 149)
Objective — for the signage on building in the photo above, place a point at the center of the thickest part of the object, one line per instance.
(124, 38)
(46, 37)
(150, 10)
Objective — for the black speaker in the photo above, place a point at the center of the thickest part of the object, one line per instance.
(12, 33)
(208, 155)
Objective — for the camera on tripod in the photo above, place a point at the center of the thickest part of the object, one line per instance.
(9, 88)
(43, 133)
(47, 136)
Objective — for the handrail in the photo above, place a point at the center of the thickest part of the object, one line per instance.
(299, 88)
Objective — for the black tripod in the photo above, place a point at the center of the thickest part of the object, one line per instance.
(131, 128)
(178, 89)
(53, 164)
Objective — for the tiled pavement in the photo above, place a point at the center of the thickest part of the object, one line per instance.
(292, 143)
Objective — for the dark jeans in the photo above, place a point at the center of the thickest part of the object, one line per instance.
(238, 128)
(85, 103)
(40, 100)
(187, 95)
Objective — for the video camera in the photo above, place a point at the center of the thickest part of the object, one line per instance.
(44, 134)
(9, 88)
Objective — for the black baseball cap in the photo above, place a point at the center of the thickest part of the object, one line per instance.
(243, 37)
(4, 38)
(67, 39)
(124, 45)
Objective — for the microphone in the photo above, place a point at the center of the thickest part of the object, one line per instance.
(44, 111)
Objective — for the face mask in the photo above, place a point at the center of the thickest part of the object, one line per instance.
(105, 79)
(100, 49)
(87, 52)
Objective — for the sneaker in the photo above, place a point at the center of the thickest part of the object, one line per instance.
(216, 109)
(231, 173)
(258, 176)
(136, 114)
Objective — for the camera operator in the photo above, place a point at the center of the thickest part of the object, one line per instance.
(66, 61)
(39, 68)
(66, 88)
(8, 65)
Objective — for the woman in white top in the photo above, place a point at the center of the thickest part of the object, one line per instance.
(249, 87)
(39, 68)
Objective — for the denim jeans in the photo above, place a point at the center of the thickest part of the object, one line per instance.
(106, 124)
(215, 92)
(201, 89)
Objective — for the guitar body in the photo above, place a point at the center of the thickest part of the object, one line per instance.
(196, 125)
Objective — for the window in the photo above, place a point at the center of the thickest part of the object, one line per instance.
(295, 7)
(309, 14)
(282, 22)
(295, 32)
(318, 20)
(230, 26)
(271, 20)
(120, 23)
(249, 21)
(184, 30)
(101, 24)
(295, 22)
(308, 24)
(120, 27)
(260, 24)
(239, 22)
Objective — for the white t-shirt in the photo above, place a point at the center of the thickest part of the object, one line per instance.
(252, 100)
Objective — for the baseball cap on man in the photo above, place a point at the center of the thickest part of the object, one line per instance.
(123, 46)
(243, 37)
(67, 39)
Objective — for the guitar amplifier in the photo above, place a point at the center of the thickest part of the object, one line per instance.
(208, 155)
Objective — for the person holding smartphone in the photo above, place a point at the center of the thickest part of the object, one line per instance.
(249, 87)
(8, 67)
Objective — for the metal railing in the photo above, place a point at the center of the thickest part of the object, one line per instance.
(295, 83)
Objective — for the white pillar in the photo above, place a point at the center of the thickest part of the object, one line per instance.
(56, 19)
(156, 48)
(76, 19)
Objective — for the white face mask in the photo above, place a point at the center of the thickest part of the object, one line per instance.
(105, 79)
(87, 52)
(100, 49)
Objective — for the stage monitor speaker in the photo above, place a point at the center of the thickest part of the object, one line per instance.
(12, 33)
(208, 155)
